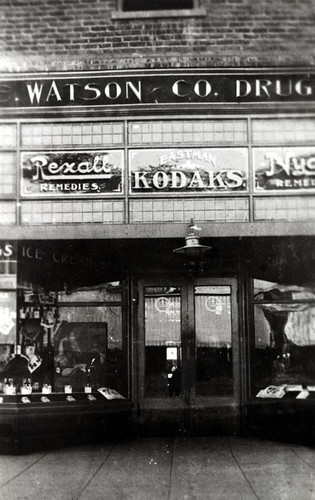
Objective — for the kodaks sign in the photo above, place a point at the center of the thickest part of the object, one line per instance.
(188, 170)
(176, 87)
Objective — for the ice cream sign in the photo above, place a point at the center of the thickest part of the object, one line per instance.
(188, 170)
(284, 169)
(72, 173)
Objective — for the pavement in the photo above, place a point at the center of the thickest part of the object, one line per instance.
(182, 468)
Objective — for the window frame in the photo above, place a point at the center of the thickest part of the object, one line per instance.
(196, 11)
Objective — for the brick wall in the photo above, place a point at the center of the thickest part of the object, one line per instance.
(38, 35)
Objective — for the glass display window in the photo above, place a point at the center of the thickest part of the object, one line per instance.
(283, 358)
(61, 320)
(72, 345)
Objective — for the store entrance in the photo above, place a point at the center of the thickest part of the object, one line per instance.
(189, 355)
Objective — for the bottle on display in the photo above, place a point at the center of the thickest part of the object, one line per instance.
(5, 386)
(26, 387)
(26, 382)
(48, 358)
(35, 386)
(11, 387)
(17, 351)
(88, 384)
(46, 389)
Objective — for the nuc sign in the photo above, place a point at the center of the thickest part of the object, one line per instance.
(155, 88)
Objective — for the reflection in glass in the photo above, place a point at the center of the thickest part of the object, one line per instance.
(108, 292)
(213, 341)
(162, 342)
(88, 347)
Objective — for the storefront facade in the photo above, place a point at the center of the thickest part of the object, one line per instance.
(106, 167)
(94, 295)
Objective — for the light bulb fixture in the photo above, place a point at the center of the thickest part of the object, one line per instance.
(192, 249)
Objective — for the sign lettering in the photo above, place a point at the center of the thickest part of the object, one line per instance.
(6, 251)
(195, 86)
(188, 170)
(72, 172)
(284, 168)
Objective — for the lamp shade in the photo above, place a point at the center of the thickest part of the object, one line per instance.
(192, 249)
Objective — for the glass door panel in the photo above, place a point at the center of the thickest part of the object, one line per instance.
(213, 341)
(189, 347)
(163, 356)
(188, 354)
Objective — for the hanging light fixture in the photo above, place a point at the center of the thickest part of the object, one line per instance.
(192, 249)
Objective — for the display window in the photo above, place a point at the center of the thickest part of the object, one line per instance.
(58, 336)
(283, 359)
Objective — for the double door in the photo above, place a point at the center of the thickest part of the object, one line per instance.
(188, 345)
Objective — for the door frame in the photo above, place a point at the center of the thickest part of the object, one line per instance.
(143, 402)
(187, 402)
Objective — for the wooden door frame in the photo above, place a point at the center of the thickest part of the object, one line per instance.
(188, 399)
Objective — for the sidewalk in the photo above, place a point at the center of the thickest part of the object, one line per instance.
(222, 468)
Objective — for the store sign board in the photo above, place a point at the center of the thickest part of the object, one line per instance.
(73, 173)
(284, 169)
(139, 88)
(188, 170)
